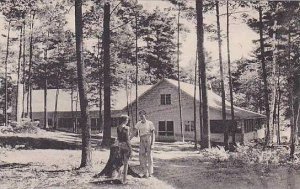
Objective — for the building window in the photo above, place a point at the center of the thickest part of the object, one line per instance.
(50, 121)
(189, 126)
(250, 125)
(165, 128)
(78, 120)
(95, 124)
(65, 122)
(216, 126)
(165, 99)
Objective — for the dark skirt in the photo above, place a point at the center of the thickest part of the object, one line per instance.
(124, 150)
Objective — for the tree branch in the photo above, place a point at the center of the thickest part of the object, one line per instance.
(115, 7)
(233, 13)
(122, 24)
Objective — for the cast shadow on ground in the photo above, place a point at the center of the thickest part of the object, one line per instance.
(109, 181)
(13, 165)
(37, 143)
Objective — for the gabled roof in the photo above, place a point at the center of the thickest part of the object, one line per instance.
(214, 100)
(63, 103)
(119, 97)
(119, 101)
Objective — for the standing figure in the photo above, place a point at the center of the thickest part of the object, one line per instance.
(124, 144)
(147, 135)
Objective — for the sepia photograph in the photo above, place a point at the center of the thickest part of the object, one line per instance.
(149, 94)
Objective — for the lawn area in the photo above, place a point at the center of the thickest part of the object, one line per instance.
(176, 165)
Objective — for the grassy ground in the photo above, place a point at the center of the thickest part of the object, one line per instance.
(44, 164)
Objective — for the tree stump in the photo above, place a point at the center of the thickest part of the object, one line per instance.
(114, 164)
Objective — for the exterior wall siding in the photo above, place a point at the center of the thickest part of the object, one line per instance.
(40, 117)
(150, 102)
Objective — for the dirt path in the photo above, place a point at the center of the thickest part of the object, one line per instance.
(176, 165)
(181, 167)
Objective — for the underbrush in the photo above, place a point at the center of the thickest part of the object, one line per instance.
(24, 126)
(251, 155)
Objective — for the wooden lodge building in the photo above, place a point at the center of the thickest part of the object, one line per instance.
(160, 101)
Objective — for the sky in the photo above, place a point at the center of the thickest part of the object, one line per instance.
(241, 35)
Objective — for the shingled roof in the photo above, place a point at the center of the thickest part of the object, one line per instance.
(64, 99)
(215, 101)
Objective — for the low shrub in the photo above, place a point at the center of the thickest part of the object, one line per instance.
(24, 126)
(276, 155)
(217, 153)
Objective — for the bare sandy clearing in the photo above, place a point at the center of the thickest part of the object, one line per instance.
(176, 165)
(56, 169)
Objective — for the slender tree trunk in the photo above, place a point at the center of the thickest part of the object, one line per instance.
(278, 109)
(85, 125)
(273, 82)
(264, 77)
(136, 68)
(195, 106)
(131, 108)
(205, 143)
(76, 110)
(45, 91)
(107, 78)
(274, 115)
(293, 123)
(29, 84)
(291, 99)
(19, 75)
(72, 109)
(226, 136)
(55, 109)
(200, 98)
(99, 54)
(126, 88)
(178, 73)
(6, 83)
(233, 125)
(24, 68)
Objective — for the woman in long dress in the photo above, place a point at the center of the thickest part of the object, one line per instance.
(123, 133)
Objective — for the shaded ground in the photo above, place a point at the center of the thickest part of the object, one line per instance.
(49, 160)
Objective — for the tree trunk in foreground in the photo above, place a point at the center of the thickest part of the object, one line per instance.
(195, 105)
(45, 93)
(205, 142)
(6, 83)
(24, 69)
(178, 72)
(29, 84)
(114, 164)
(225, 125)
(85, 125)
(264, 76)
(106, 63)
(233, 125)
(19, 75)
